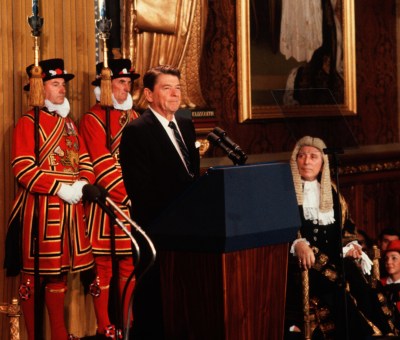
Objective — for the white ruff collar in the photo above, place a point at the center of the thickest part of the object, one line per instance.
(390, 281)
(311, 198)
(126, 105)
(61, 109)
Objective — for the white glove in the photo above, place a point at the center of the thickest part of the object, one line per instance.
(77, 188)
(366, 264)
(349, 246)
(66, 193)
(365, 261)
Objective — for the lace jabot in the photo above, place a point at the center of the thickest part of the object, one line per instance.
(311, 201)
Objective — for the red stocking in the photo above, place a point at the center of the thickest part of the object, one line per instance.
(54, 297)
(103, 267)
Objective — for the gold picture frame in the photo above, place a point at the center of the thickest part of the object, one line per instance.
(248, 111)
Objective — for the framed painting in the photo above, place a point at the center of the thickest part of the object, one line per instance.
(295, 61)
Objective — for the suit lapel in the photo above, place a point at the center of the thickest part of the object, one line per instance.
(159, 133)
(161, 137)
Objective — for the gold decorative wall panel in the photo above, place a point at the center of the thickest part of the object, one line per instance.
(68, 33)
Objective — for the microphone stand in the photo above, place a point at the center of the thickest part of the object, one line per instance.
(334, 152)
(153, 257)
(137, 250)
(36, 99)
(135, 225)
(129, 234)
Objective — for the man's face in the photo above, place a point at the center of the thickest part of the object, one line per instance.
(386, 239)
(166, 96)
(54, 90)
(309, 162)
(121, 87)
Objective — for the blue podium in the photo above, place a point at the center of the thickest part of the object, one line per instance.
(223, 249)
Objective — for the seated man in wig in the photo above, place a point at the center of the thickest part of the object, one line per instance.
(327, 248)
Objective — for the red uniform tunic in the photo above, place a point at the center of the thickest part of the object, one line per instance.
(384, 283)
(108, 174)
(63, 240)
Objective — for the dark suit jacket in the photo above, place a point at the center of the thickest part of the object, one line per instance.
(153, 172)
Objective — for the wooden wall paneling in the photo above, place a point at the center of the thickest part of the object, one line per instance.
(366, 209)
(374, 205)
(357, 206)
(387, 204)
(376, 71)
(68, 46)
(68, 32)
(22, 53)
(85, 60)
(7, 286)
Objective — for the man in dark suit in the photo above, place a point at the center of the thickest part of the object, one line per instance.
(159, 161)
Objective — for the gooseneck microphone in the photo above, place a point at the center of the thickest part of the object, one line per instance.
(217, 141)
(99, 195)
(230, 143)
(92, 193)
(219, 138)
(104, 196)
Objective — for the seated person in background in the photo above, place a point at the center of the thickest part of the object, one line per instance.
(386, 236)
(364, 240)
(391, 283)
(319, 250)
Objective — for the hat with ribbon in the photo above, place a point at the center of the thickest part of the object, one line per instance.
(393, 246)
(119, 68)
(51, 69)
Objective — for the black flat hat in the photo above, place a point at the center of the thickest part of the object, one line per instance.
(51, 68)
(119, 68)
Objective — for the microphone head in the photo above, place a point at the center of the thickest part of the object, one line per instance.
(102, 191)
(219, 132)
(213, 138)
(90, 193)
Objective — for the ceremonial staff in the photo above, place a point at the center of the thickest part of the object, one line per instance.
(36, 99)
(103, 26)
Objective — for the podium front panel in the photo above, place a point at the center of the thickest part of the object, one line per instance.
(232, 208)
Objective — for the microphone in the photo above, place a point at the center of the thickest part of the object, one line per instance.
(103, 194)
(98, 194)
(230, 143)
(217, 141)
(92, 193)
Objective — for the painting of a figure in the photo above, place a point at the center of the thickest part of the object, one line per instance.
(296, 52)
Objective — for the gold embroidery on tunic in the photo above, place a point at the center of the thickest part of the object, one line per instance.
(53, 160)
(123, 118)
